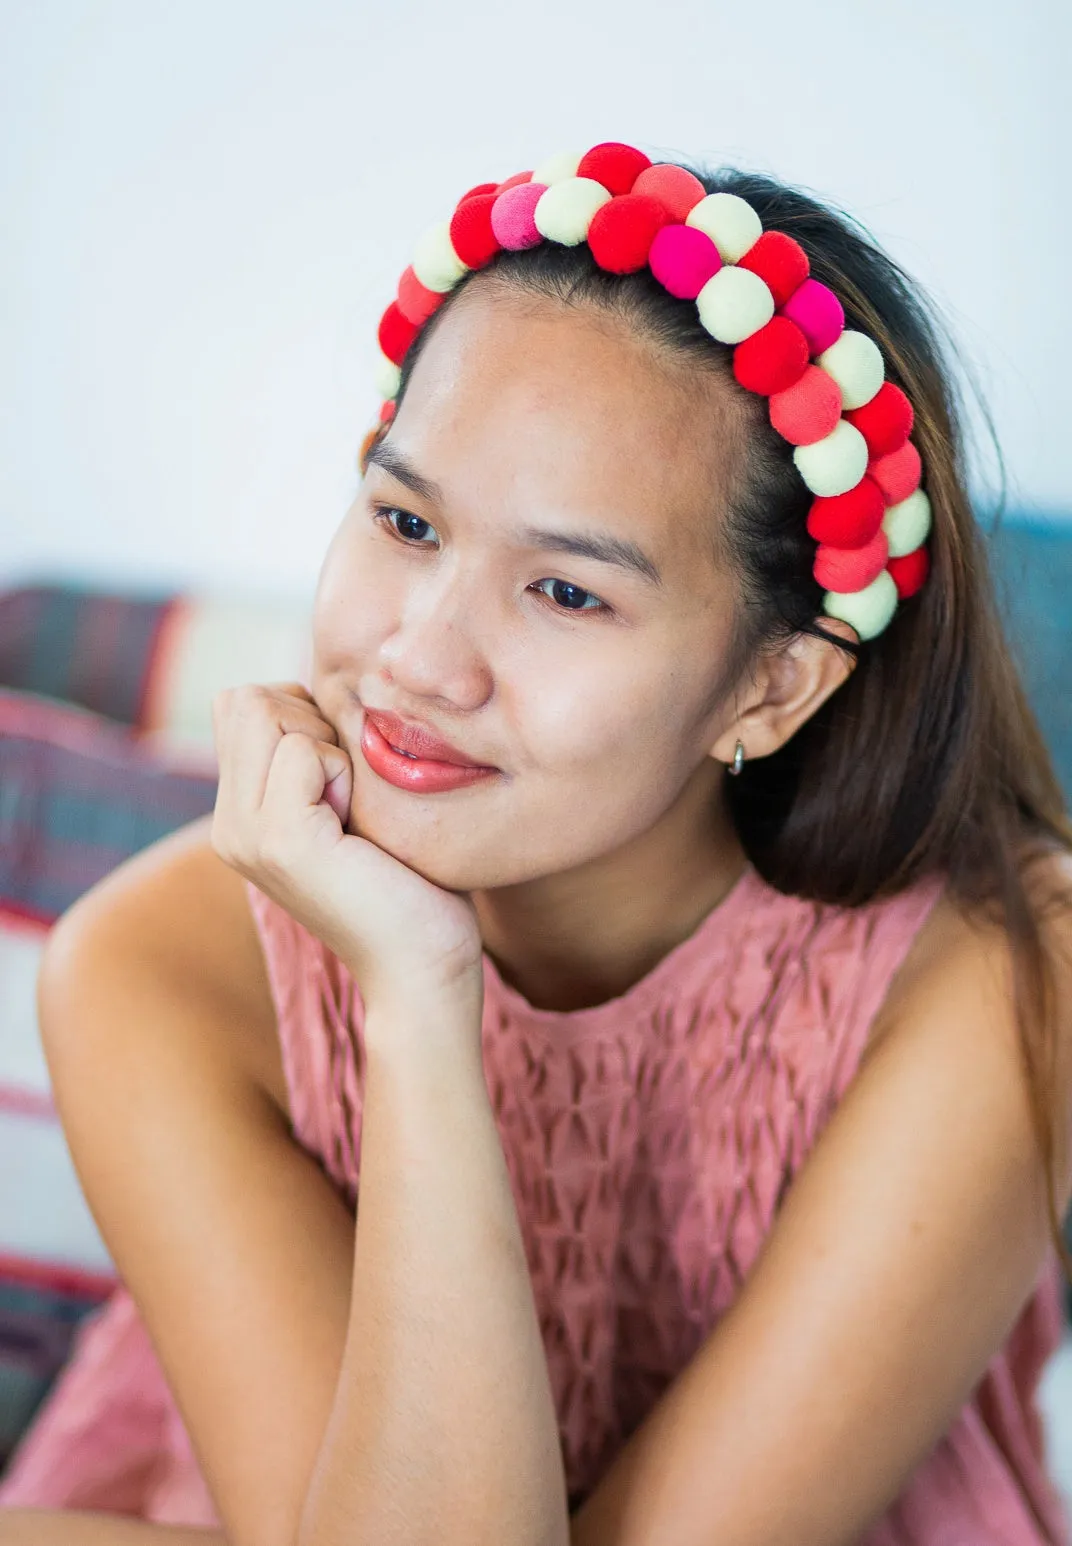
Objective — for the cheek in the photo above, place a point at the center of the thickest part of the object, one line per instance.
(605, 721)
(351, 606)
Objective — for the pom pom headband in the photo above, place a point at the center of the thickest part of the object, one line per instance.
(826, 386)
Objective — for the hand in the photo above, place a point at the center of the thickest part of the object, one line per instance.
(282, 809)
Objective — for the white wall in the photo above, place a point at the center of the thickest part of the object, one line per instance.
(206, 207)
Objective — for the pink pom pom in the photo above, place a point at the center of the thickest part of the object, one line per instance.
(683, 259)
(898, 474)
(818, 314)
(511, 216)
(851, 569)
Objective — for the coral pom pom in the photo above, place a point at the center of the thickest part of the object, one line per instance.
(682, 259)
(734, 304)
(910, 571)
(471, 233)
(780, 262)
(614, 165)
(565, 209)
(848, 520)
(836, 464)
(622, 231)
(415, 301)
(868, 611)
(395, 333)
(511, 216)
(674, 186)
(808, 410)
(732, 224)
(897, 474)
(513, 182)
(855, 362)
(817, 312)
(387, 412)
(772, 359)
(885, 421)
(851, 569)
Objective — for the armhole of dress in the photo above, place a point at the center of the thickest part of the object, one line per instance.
(891, 932)
(280, 947)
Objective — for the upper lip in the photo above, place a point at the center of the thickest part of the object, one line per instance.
(407, 735)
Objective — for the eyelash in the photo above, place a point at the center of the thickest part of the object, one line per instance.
(381, 514)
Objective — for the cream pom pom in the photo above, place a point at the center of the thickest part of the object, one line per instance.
(388, 376)
(734, 304)
(730, 222)
(557, 168)
(907, 524)
(435, 263)
(564, 212)
(868, 610)
(855, 362)
(834, 464)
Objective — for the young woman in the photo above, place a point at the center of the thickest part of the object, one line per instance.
(602, 1075)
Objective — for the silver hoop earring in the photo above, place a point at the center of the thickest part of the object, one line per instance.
(738, 759)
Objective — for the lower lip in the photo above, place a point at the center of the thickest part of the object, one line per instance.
(418, 774)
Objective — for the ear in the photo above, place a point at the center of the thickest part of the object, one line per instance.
(787, 686)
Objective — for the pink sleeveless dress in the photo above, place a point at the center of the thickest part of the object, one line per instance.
(649, 1140)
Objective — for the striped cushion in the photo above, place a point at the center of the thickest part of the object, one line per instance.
(79, 793)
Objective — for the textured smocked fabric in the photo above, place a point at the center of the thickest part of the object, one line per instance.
(649, 1141)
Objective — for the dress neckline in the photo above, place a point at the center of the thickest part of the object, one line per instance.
(713, 925)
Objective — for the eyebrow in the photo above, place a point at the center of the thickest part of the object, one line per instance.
(603, 547)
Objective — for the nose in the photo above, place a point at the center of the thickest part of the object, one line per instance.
(434, 651)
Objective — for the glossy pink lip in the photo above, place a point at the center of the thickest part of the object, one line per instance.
(418, 741)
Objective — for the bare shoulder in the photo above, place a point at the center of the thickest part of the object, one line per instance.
(178, 904)
(960, 972)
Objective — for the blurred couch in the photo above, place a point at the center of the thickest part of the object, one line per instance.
(105, 746)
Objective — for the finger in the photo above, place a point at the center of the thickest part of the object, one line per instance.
(252, 720)
(300, 772)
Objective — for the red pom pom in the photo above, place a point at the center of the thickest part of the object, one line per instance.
(512, 182)
(851, 569)
(470, 230)
(387, 410)
(809, 409)
(910, 571)
(885, 422)
(415, 301)
(623, 229)
(614, 165)
(395, 333)
(848, 520)
(779, 261)
(773, 359)
(675, 186)
(480, 188)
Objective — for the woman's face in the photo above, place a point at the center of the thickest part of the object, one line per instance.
(591, 696)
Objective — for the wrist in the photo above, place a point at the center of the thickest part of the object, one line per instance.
(425, 1023)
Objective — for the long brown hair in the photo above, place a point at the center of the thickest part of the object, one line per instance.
(928, 758)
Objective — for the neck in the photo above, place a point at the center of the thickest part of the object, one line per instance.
(581, 937)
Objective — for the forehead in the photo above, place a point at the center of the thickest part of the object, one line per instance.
(529, 407)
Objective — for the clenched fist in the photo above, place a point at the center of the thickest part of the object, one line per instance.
(281, 817)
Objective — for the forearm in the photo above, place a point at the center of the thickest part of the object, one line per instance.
(443, 1428)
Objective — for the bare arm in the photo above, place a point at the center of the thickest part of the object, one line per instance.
(444, 1428)
(407, 1399)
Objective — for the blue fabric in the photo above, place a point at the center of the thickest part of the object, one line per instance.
(1032, 563)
